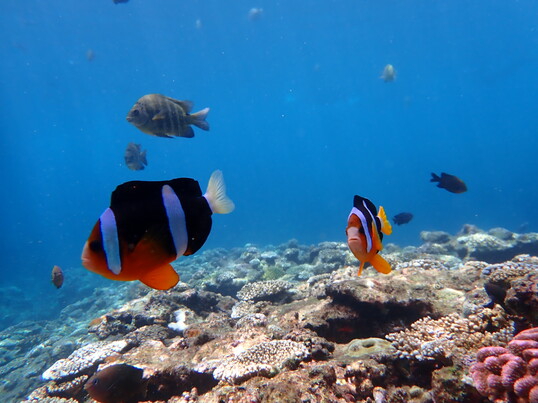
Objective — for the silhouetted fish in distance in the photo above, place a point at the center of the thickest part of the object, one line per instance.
(449, 182)
(402, 218)
(135, 158)
(389, 73)
(162, 116)
(57, 276)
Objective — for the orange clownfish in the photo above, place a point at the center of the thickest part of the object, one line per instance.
(149, 225)
(365, 229)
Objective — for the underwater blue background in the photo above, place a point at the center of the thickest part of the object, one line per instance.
(300, 119)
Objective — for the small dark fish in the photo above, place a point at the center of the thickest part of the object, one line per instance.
(402, 218)
(149, 225)
(57, 276)
(449, 182)
(90, 55)
(163, 116)
(135, 158)
(117, 383)
(119, 1)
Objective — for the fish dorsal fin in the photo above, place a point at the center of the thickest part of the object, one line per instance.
(161, 278)
(386, 228)
(185, 105)
(380, 264)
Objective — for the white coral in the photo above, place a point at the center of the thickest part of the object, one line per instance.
(264, 359)
(83, 359)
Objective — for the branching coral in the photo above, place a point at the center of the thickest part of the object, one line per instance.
(451, 336)
(263, 290)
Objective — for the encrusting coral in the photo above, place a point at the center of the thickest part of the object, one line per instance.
(511, 373)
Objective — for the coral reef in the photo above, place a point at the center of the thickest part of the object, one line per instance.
(495, 246)
(509, 374)
(294, 323)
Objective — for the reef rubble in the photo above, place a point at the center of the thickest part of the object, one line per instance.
(294, 323)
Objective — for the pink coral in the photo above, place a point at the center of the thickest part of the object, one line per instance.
(509, 374)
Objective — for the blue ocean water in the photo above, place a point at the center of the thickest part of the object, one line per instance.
(300, 119)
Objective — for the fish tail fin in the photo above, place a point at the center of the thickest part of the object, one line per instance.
(143, 157)
(216, 195)
(386, 228)
(360, 269)
(380, 264)
(435, 178)
(198, 119)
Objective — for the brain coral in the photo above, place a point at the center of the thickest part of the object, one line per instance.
(264, 359)
(83, 359)
(511, 373)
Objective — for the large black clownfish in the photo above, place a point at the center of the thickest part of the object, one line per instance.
(149, 225)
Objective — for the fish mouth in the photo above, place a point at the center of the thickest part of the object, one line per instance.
(129, 118)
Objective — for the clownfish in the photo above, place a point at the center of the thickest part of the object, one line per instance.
(365, 229)
(149, 225)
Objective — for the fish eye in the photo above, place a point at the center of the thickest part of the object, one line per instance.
(95, 246)
(136, 112)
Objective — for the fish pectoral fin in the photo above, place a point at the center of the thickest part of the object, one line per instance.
(360, 269)
(158, 116)
(376, 239)
(161, 278)
(380, 264)
(386, 228)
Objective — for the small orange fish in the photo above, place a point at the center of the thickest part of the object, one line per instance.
(57, 276)
(365, 229)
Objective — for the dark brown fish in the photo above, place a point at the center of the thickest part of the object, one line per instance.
(117, 383)
(402, 218)
(449, 182)
(135, 158)
(163, 116)
(57, 276)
